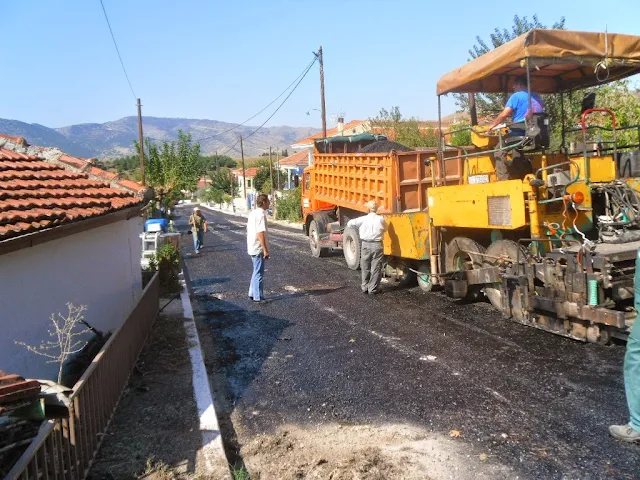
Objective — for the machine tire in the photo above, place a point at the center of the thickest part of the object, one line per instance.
(460, 256)
(455, 254)
(406, 279)
(351, 248)
(506, 249)
(314, 232)
(424, 277)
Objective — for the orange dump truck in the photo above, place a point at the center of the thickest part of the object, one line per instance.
(337, 186)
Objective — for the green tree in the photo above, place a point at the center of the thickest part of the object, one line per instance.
(222, 179)
(410, 132)
(492, 104)
(262, 180)
(172, 168)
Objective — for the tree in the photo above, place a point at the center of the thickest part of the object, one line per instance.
(492, 104)
(410, 132)
(262, 180)
(172, 168)
(222, 179)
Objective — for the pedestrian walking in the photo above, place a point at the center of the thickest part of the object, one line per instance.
(371, 227)
(257, 246)
(198, 228)
(630, 432)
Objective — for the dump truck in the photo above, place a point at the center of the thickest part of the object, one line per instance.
(553, 246)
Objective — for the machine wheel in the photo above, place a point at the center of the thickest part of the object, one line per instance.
(461, 256)
(351, 248)
(314, 240)
(401, 273)
(424, 277)
(501, 251)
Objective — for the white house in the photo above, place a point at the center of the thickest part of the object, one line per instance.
(293, 165)
(69, 232)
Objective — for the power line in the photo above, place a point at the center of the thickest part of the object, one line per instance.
(117, 50)
(304, 72)
(279, 106)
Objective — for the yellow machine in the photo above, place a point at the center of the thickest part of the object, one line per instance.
(553, 246)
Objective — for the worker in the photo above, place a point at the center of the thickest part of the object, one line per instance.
(630, 432)
(371, 227)
(517, 108)
(199, 224)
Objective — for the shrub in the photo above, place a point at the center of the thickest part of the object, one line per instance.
(167, 262)
(289, 207)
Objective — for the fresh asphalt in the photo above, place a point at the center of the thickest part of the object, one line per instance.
(321, 351)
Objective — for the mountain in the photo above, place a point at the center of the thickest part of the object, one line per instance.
(115, 139)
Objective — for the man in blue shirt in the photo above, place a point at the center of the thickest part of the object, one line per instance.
(517, 108)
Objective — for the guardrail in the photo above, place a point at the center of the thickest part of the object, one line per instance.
(65, 448)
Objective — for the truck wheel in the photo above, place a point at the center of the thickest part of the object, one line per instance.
(424, 277)
(351, 248)
(461, 255)
(501, 250)
(314, 240)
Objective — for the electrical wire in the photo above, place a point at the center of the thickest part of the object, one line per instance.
(297, 79)
(118, 51)
(276, 110)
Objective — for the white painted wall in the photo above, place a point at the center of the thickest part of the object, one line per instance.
(99, 268)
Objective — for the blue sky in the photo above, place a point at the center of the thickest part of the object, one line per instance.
(227, 60)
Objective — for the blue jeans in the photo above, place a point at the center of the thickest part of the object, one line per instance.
(632, 360)
(256, 290)
(198, 237)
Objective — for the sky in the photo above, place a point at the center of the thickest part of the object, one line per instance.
(227, 60)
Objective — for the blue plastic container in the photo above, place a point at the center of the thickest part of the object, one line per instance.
(155, 221)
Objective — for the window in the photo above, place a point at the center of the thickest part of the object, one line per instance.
(248, 183)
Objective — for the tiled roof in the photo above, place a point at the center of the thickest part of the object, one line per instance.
(297, 159)
(36, 194)
(249, 172)
(331, 132)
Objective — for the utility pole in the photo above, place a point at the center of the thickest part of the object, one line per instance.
(141, 142)
(244, 178)
(472, 109)
(323, 113)
(273, 190)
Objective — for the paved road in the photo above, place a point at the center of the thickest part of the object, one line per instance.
(323, 351)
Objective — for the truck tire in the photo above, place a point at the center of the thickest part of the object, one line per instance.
(460, 256)
(351, 248)
(401, 272)
(314, 240)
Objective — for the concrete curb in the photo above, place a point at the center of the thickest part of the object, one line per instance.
(213, 454)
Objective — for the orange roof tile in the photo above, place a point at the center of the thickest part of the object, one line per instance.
(297, 159)
(36, 195)
(331, 132)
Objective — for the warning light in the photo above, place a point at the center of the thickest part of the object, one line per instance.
(577, 198)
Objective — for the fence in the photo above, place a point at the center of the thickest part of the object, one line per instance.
(65, 448)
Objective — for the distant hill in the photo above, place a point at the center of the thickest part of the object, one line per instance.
(115, 139)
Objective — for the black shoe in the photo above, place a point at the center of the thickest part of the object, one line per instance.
(365, 292)
(375, 292)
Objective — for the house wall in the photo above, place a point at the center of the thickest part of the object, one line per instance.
(99, 268)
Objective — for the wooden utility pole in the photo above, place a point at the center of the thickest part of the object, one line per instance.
(141, 142)
(472, 109)
(244, 178)
(273, 186)
(322, 105)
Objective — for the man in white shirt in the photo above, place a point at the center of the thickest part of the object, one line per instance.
(371, 227)
(257, 246)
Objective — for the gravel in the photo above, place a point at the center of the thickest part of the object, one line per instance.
(384, 146)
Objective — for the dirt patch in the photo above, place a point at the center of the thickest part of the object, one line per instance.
(154, 433)
(364, 452)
